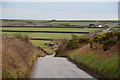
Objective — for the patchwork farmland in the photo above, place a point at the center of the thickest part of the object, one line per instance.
(44, 29)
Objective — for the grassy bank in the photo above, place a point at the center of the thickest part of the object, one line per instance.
(98, 63)
(18, 56)
(95, 55)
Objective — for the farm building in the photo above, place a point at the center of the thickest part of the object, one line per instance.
(99, 25)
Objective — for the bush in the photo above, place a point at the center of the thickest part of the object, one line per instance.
(91, 45)
(108, 43)
(21, 37)
(91, 25)
(26, 38)
(74, 36)
(118, 36)
(107, 40)
(105, 48)
(62, 46)
(74, 43)
(95, 39)
(84, 40)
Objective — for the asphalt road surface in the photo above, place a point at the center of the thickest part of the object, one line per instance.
(57, 67)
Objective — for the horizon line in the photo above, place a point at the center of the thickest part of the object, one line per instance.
(53, 19)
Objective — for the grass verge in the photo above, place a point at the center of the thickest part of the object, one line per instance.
(100, 64)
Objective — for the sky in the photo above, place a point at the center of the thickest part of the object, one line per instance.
(60, 10)
(60, 0)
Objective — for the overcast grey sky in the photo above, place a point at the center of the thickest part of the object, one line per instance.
(60, 0)
(60, 10)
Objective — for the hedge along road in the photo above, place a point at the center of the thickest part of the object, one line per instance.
(45, 31)
(57, 67)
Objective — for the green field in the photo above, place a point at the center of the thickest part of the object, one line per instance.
(49, 23)
(49, 35)
(75, 23)
(40, 43)
(53, 29)
(110, 24)
(45, 35)
(57, 22)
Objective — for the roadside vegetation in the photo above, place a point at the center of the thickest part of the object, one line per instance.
(19, 53)
(18, 56)
(98, 54)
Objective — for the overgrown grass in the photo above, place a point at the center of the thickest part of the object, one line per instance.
(18, 57)
(107, 67)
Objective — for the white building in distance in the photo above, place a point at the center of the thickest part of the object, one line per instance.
(99, 25)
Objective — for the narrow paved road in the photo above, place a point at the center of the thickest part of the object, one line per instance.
(56, 67)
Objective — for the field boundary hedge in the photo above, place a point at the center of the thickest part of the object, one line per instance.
(45, 31)
(53, 26)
